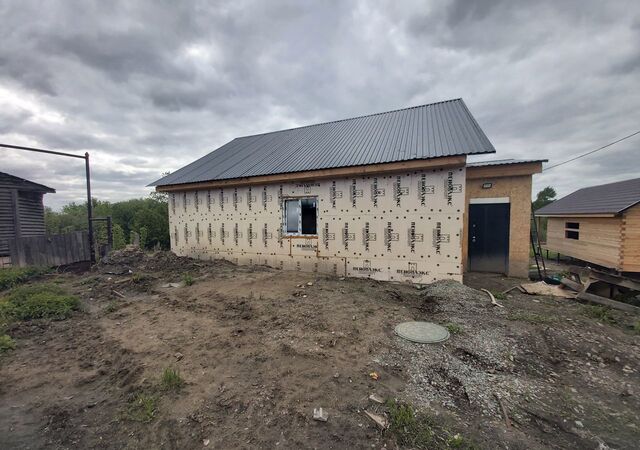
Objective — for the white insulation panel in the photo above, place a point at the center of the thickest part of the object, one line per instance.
(400, 227)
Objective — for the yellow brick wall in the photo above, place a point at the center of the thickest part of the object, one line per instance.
(518, 189)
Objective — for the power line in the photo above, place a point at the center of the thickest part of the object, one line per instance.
(592, 151)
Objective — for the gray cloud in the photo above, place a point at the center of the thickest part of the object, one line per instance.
(147, 87)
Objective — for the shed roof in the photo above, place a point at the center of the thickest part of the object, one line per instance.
(420, 132)
(13, 182)
(504, 162)
(611, 198)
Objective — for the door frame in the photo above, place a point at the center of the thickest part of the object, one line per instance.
(484, 201)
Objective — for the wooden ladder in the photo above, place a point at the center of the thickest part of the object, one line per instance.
(537, 249)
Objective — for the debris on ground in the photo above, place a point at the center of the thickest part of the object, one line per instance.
(379, 420)
(258, 358)
(320, 415)
(542, 288)
(492, 298)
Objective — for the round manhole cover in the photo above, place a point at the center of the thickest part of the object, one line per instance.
(422, 332)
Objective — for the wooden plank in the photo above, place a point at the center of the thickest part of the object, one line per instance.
(49, 250)
(608, 302)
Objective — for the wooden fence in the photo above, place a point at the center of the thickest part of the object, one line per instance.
(52, 250)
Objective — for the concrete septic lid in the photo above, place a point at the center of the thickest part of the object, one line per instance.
(422, 332)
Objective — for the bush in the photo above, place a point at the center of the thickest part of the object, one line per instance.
(12, 276)
(171, 380)
(44, 301)
(453, 328)
(601, 313)
(187, 279)
(142, 408)
(415, 429)
(6, 343)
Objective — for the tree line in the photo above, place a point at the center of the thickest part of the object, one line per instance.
(148, 217)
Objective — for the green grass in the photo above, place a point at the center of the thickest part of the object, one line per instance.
(6, 343)
(601, 313)
(414, 429)
(171, 380)
(111, 306)
(42, 301)
(453, 328)
(187, 279)
(13, 276)
(142, 408)
(636, 327)
(531, 318)
(499, 295)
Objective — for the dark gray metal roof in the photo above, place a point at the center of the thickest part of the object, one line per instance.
(611, 198)
(421, 132)
(504, 162)
(13, 182)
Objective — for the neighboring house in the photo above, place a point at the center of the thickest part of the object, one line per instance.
(599, 224)
(21, 209)
(387, 196)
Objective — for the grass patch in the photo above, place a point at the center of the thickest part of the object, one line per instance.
(187, 279)
(6, 343)
(13, 276)
(112, 306)
(531, 318)
(43, 301)
(598, 312)
(453, 328)
(499, 295)
(142, 408)
(414, 429)
(636, 327)
(171, 380)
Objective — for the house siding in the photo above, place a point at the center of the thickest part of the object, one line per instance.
(399, 227)
(599, 239)
(630, 253)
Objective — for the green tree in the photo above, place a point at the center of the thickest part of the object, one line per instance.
(144, 233)
(129, 215)
(543, 198)
(118, 237)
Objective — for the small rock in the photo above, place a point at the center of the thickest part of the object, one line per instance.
(179, 356)
(579, 424)
(336, 375)
(320, 415)
(205, 442)
(309, 283)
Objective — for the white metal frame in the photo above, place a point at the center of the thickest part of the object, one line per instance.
(285, 232)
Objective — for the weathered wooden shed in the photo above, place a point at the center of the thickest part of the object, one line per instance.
(21, 209)
(598, 224)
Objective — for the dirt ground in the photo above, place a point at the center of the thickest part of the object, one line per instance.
(260, 348)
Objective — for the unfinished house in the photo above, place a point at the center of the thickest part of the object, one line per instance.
(598, 224)
(387, 196)
(21, 211)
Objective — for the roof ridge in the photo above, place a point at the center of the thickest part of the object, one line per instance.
(352, 118)
(606, 184)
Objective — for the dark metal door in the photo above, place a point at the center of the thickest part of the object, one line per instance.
(489, 237)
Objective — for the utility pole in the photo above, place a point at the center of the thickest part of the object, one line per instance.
(92, 253)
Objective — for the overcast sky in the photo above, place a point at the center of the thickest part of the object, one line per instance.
(147, 87)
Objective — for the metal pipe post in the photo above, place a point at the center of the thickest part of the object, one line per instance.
(92, 250)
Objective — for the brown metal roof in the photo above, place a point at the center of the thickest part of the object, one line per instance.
(612, 198)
